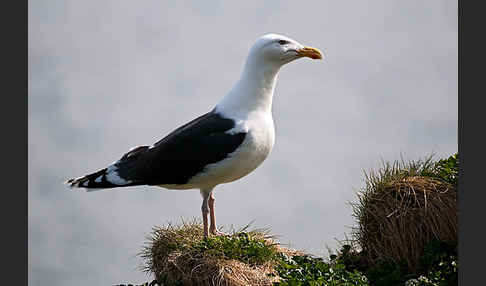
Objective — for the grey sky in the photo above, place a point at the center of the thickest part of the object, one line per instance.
(105, 76)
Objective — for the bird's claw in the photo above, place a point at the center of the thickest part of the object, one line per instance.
(216, 232)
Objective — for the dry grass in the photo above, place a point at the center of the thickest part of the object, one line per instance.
(179, 255)
(400, 211)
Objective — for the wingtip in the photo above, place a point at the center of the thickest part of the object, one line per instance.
(72, 183)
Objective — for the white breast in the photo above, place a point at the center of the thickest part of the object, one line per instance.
(255, 148)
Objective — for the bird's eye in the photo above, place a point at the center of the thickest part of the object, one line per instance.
(283, 42)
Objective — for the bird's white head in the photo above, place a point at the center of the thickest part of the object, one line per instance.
(279, 50)
(255, 88)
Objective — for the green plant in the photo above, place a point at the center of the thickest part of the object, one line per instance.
(311, 271)
(389, 273)
(350, 257)
(243, 246)
(446, 170)
(440, 263)
(439, 267)
(384, 273)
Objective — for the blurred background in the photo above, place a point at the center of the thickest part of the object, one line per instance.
(105, 76)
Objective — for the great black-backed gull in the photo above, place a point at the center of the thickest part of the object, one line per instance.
(218, 147)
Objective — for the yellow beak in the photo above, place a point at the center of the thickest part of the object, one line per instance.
(310, 52)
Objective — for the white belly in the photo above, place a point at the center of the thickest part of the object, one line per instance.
(252, 152)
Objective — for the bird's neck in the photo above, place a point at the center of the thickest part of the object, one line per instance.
(253, 92)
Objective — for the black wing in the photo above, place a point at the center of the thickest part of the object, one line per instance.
(183, 153)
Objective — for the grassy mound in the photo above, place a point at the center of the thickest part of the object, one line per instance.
(180, 255)
(405, 206)
(407, 235)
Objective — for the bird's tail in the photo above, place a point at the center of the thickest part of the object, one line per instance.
(94, 181)
(110, 177)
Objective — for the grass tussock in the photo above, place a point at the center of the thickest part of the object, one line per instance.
(404, 206)
(180, 255)
(407, 217)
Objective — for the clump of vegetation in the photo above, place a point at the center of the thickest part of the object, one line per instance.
(406, 235)
(305, 270)
(440, 264)
(446, 170)
(180, 255)
(248, 247)
(403, 207)
(348, 267)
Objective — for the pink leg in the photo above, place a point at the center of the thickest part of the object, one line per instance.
(212, 228)
(205, 211)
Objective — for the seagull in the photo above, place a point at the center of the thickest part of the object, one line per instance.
(221, 146)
